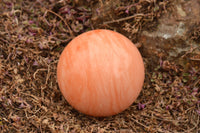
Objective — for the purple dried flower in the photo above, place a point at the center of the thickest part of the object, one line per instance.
(98, 11)
(49, 60)
(26, 59)
(35, 63)
(40, 46)
(178, 96)
(141, 106)
(8, 4)
(65, 9)
(9, 102)
(167, 107)
(193, 71)
(195, 89)
(180, 84)
(175, 88)
(198, 112)
(28, 40)
(32, 33)
(18, 52)
(31, 22)
(3, 98)
(194, 93)
(22, 105)
(66, 12)
(10, 14)
(81, 18)
(127, 11)
(19, 36)
(128, 8)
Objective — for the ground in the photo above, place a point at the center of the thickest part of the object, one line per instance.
(34, 33)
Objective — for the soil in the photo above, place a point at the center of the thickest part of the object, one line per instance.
(33, 34)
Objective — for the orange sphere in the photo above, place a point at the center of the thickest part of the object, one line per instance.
(100, 73)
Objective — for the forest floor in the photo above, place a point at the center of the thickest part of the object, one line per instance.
(33, 34)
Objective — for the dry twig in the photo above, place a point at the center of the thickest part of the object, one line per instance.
(124, 19)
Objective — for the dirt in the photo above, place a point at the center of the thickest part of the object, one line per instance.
(34, 33)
